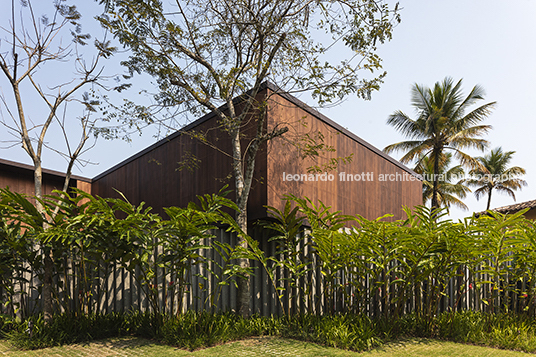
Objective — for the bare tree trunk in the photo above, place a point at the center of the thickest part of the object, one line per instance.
(242, 193)
(244, 286)
(38, 183)
(244, 167)
(48, 308)
(48, 266)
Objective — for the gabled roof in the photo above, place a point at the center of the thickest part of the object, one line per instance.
(298, 103)
(339, 128)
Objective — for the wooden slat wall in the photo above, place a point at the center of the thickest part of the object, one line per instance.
(370, 199)
(153, 176)
(113, 289)
(21, 180)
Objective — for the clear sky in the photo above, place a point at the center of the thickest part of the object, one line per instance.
(485, 42)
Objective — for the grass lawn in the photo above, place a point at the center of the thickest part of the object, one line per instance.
(261, 346)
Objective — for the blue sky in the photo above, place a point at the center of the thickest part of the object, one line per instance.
(485, 42)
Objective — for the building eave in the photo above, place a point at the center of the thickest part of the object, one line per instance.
(298, 103)
(26, 167)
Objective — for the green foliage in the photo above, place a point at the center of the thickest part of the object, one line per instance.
(205, 56)
(449, 192)
(444, 121)
(346, 331)
(504, 235)
(289, 255)
(380, 278)
(66, 329)
(378, 267)
(195, 330)
(494, 174)
(21, 228)
(90, 233)
(187, 233)
(13, 247)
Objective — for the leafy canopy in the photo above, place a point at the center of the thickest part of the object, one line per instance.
(495, 173)
(451, 188)
(444, 121)
(205, 53)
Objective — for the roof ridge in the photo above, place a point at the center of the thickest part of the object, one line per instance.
(277, 90)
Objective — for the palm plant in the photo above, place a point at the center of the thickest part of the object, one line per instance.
(443, 122)
(494, 173)
(449, 193)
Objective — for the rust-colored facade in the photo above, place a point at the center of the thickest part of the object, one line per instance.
(380, 185)
(19, 178)
(372, 184)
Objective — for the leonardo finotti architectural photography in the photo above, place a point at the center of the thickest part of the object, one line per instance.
(232, 177)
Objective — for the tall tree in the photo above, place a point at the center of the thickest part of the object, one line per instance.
(206, 53)
(450, 187)
(444, 122)
(496, 175)
(29, 53)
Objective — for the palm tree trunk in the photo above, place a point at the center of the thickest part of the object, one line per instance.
(489, 199)
(435, 203)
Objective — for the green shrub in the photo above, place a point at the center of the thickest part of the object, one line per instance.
(346, 331)
(195, 330)
(508, 331)
(66, 329)
(8, 323)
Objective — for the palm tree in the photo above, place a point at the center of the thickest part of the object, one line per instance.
(448, 193)
(495, 174)
(443, 122)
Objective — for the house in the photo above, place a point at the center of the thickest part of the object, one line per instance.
(372, 184)
(19, 178)
(530, 214)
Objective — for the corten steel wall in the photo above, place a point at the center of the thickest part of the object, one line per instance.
(152, 175)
